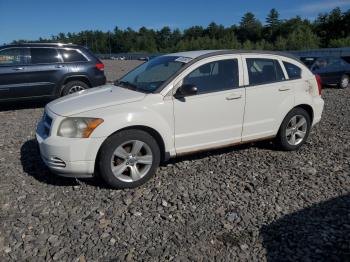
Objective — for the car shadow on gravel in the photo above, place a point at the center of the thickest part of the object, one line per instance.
(18, 105)
(34, 166)
(318, 233)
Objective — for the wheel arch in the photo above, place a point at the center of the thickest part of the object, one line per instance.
(81, 78)
(151, 131)
(308, 109)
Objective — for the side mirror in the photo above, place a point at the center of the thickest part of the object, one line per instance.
(186, 90)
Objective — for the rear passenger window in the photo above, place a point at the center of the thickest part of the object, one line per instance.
(215, 76)
(264, 71)
(44, 56)
(12, 56)
(72, 56)
(293, 71)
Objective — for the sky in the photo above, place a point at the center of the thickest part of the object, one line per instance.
(31, 19)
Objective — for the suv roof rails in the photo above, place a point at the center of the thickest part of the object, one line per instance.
(45, 43)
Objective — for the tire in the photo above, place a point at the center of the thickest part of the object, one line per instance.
(344, 82)
(300, 131)
(73, 86)
(131, 169)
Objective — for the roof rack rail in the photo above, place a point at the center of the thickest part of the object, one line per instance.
(44, 43)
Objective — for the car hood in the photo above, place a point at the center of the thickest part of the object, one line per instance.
(94, 98)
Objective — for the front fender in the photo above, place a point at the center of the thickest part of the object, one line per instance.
(158, 117)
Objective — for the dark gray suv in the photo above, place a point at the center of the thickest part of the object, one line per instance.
(30, 71)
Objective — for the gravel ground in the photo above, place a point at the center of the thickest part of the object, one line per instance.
(246, 203)
(115, 69)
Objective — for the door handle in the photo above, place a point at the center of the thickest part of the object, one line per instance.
(18, 68)
(282, 89)
(233, 97)
(59, 66)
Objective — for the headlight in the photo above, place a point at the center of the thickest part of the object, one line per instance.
(78, 127)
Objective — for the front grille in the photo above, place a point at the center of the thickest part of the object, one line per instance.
(47, 124)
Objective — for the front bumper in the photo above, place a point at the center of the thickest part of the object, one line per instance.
(70, 157)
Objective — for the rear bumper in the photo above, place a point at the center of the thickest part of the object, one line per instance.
(98, 80)
(318, 106)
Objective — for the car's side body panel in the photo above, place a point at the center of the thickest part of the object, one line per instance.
(266, 105)
(306, 90)
(210, 119)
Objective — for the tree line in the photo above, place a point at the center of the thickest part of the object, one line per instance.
(330, 29)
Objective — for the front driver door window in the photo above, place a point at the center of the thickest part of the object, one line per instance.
(212, 117)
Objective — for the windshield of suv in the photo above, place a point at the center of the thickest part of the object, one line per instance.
(152, 74)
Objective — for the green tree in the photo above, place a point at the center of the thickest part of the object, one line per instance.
(330, 29)
(250, 28)
(302, 38)
(340, 42)
(272, 25)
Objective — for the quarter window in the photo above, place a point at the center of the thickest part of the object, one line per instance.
(215, 76)
(44, 56)
(293, 71)
(263, 71)
(12, 56)
(72, 56)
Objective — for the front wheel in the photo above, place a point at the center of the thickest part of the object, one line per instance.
(129, 159)
(294, 130)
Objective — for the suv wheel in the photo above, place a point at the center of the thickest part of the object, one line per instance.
(344, 81)
(73, 87)
(129, 158)
(294, 129)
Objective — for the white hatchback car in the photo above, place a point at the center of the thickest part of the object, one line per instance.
(176, 104)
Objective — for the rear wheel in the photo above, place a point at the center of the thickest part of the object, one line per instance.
(129, 158)
(294, 130)
(73, 87)
(344, 82)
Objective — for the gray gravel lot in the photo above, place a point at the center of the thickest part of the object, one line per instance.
(115, 69)
(246, 203)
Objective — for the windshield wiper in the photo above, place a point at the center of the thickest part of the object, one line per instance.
(126, 84)
(131, 86)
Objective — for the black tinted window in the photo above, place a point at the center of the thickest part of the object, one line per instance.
(346, 59)
(214, 76)
(263, 71)
(12, 56)
(293, 71)
(72, 56)
(44, 55)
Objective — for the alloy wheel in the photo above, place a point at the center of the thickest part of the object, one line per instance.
(75, 89)
(131, 161)
(296, 130)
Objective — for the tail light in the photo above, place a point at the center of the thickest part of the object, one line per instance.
(319, 84)
(100, 66)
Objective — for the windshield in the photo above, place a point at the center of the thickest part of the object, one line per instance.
(152, 74)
